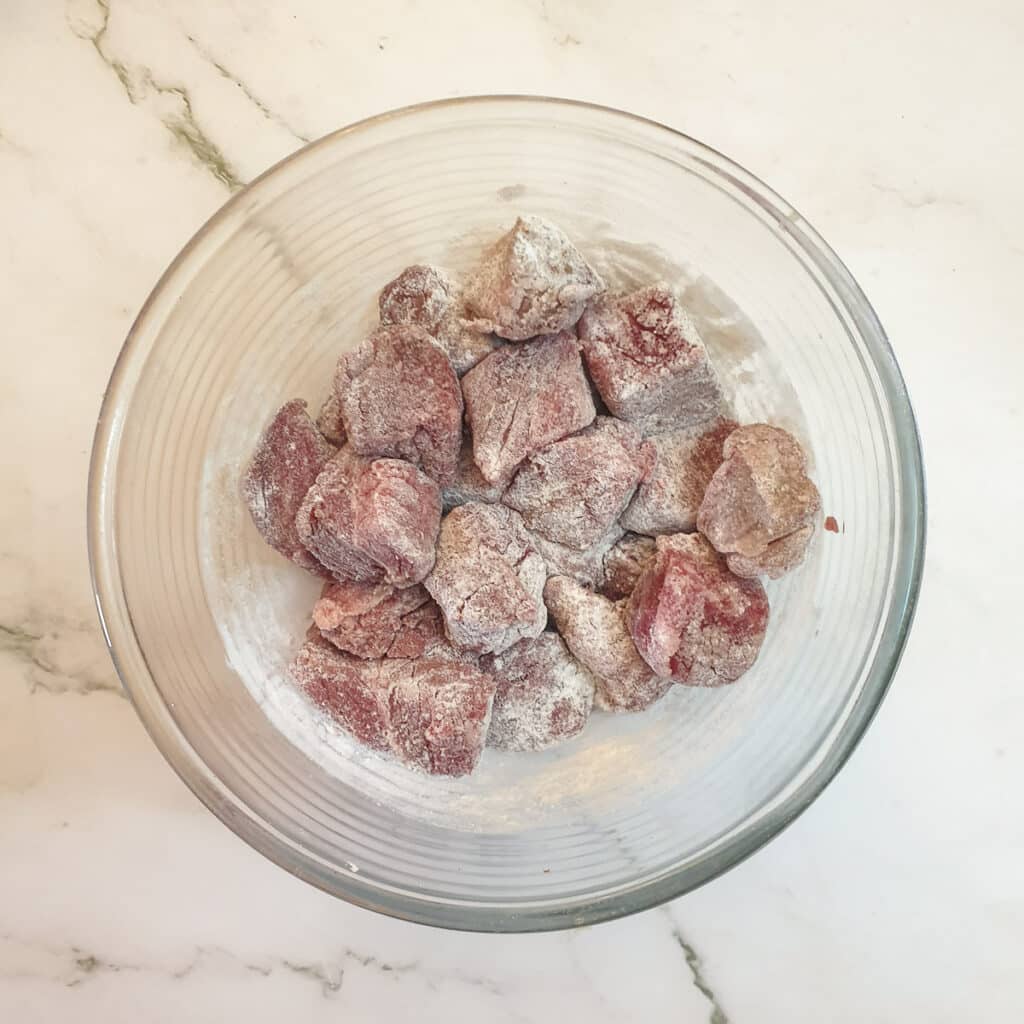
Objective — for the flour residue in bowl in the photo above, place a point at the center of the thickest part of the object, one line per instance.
(261, 605)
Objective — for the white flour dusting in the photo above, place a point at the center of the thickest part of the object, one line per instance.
(261, 606)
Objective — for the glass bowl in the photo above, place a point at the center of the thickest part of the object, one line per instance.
(202, 618)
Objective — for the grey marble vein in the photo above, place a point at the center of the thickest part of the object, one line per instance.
(139, 82)
(6, 142)
(185, 128)
(246, 91)
(73, 965)
(330, 979)
(912, 201)
(561, 37)
(204, 954)
(86, 964)
(62, 658)
(18, 641)
(693, 962)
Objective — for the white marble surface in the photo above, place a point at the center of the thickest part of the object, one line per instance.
(899, 896)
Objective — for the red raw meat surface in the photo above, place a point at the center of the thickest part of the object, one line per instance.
(400, 399)
(368, 619)
(330, 422)
(667, 501)
(350, 690)
(692, 620)
(777, 558)
(586, 566)
(428, 297)
(594, 629)
(431, 714)
(759, 495)
(532, 281)
(289, 455)
(421, 633)
(469, 483)
(648, 362)
(543, 696)
(487, 579)
(523, 397)
(371, 520)
(440, 711)
(624, 565)
(572, 490)
(396, 517)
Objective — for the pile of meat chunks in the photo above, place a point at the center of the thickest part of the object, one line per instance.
(527, 501)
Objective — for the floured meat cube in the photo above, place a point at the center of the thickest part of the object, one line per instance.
(431, 714)
(330, 422)
(400, 398)
(397, 517)
(594, 629)
(648, 362)
(667, 501)
(760, 495)
(422, 633)
(692, 620)
(368, 619)
(487, 579)
(624, 565)
(288, 457)
(586, 566)
(573, 490)
(542, 697)
(523, 397)
(777, 558)
(428, 297)
(469, 483)
(371, 520)
(350, 690)
(326, 520)
(532, 281)
(440, 711)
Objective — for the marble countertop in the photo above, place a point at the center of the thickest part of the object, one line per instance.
(899, 896)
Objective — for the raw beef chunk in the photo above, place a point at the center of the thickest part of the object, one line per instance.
(423, 633)
(667, 501)
(431, 714)
(348, 689)
(542, 697)
(488, 579)
(532, 281)
(777, 558)
(329, 420)
(692, 620)
(648, 362)
(397, 514)
(586, 566)
(760, 495)
(288, 458)
(400, 398)
(573, 490)
(594, 629)
(624, 564)
(523, 397)
(368, 619)
(428, 297)
(371, 520)
(439, 711)
(469, 483)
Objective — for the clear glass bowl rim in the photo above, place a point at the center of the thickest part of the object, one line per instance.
(115, 618)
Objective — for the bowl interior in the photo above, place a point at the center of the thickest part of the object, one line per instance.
(203, 618)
